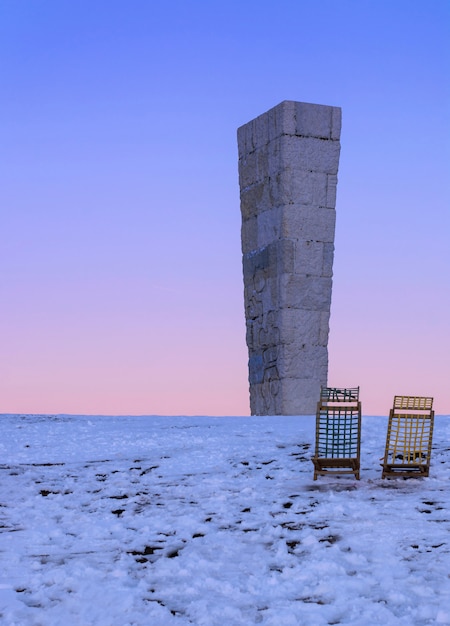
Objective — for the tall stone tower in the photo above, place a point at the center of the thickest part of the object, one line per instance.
(288, 163)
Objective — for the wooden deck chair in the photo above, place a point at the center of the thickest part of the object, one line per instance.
(338, 432)
(409, 437)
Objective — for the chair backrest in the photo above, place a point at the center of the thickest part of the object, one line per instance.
(338, 422)
(409, 435)
(331, 395)
(412, 403)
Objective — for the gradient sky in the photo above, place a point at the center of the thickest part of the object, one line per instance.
(121, 283)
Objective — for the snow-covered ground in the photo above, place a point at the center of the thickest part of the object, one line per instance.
(170, 521)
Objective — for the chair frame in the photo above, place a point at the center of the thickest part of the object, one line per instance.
(338, 432)
(409, 437)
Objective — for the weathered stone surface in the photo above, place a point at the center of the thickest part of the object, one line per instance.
(288, 163)
(305, 292)
(302, 153)
(295, 388)
(308, 223)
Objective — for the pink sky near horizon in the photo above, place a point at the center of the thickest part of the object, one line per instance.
(121, 281)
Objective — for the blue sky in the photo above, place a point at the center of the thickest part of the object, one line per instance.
(121, 283)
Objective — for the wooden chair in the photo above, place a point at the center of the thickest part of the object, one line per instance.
(409, 437)
(338, 432)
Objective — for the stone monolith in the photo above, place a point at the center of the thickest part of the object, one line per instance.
(288, 163)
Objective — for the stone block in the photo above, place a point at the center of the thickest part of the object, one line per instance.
(261, 196)
(248, 171)
(309, 258)
(305, 359)
(331, 191)
(305, 292)
(272, 260)
(300, 323)
(245, 140)
(249, 234)
(309, 154)
(299, 396)
(281, 120)
(291, 187)
(324, 329)
(301, 187)
(268, 224)
(328, 257)
(256, 261)
(254, 199)
(314, 258)
(261, 295)
(260, 131)
(253, 304)
(313, 121)
(308, 223)
(269, 332)
(289, 153)
(266, 396)
(336, 123)
(256, 368)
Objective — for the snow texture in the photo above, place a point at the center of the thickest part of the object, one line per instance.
(174, 521)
